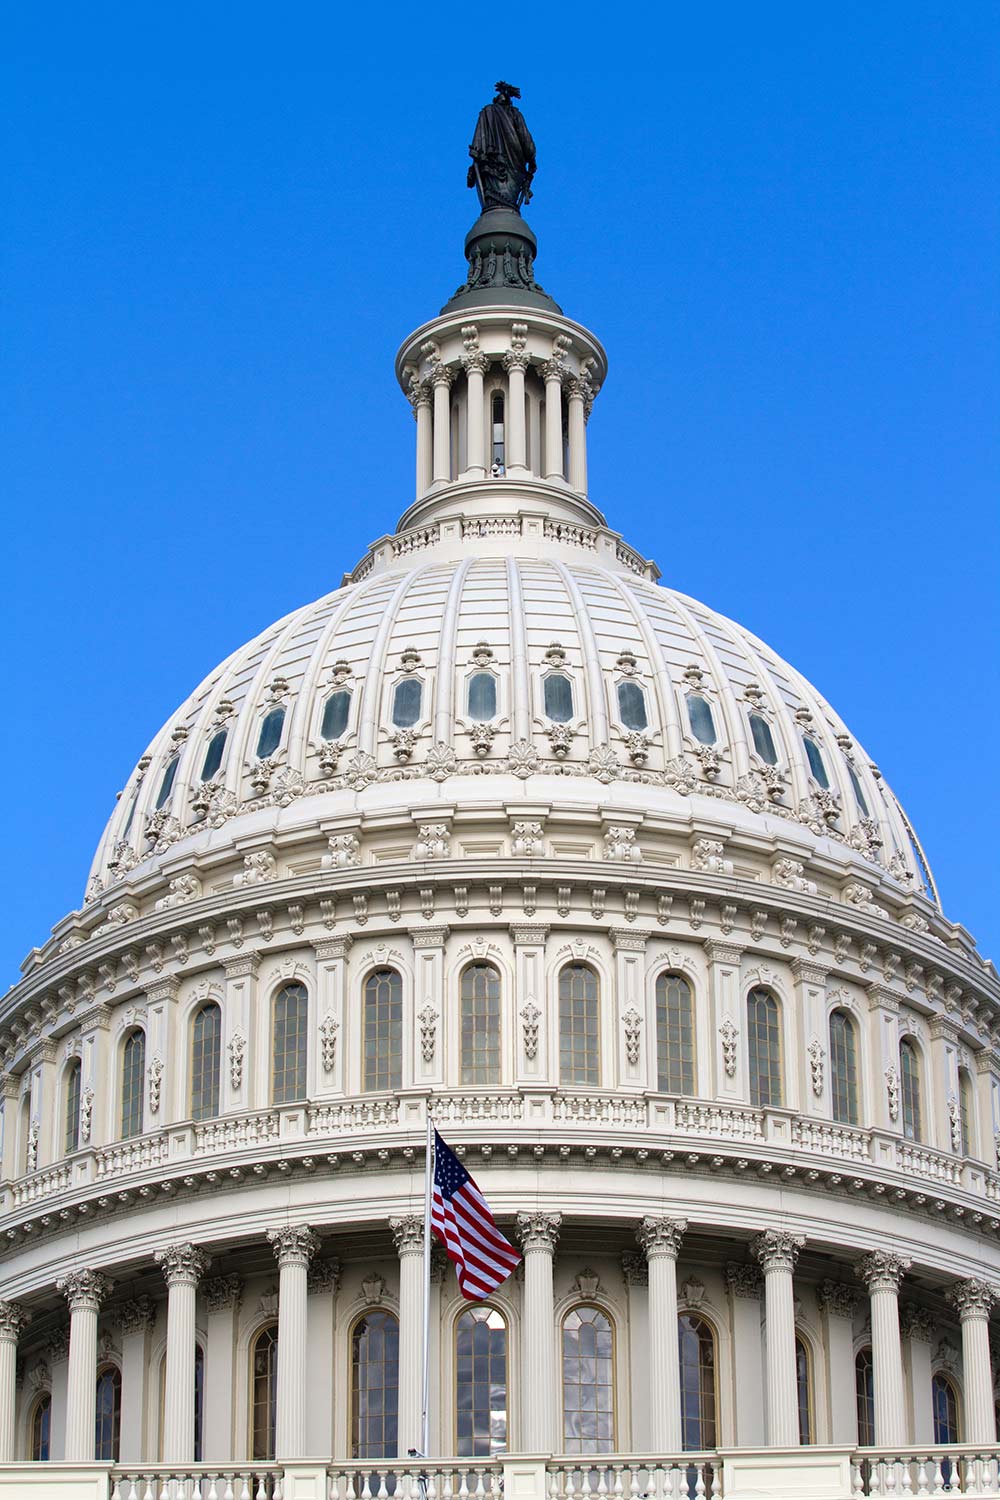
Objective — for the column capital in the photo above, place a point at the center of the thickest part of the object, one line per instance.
(293, 1244)
(838, 1299)
(183, 1264)
(223, 1293)
(324, 1275)
(883, 1270)
(635, 1268)
(408, 1234)
(137, 1315)
(553, 369)
(476, 363)
(973, 1298)
(442, 375)
(13, 1318)
(744, 1279)
(661, 1236)
(917, 1323)
(84, 1289)
(777, 1249)
(516, 359)
(538, 1231)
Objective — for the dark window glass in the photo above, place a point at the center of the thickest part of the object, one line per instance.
(406, 702)
(108, 1425)
(73, 1077)
(843, 1068)
(167, 784)
(674, 1035)
(700, 718)
(375, 1386)
(213, 755)
(803, 1391)
(579, 1040)
(480, 1024)
(697, 1362)
(763, 740)
(815, 758)
(558, 698)
(588, 1382)
(41, 1422)
(764, 1049)
(632, 705)
(131, 814)
(383, 1031)
(965, 1110)
(291, 1014)
(909, 1088)
(481, 1383)
(199, 1401)
(263, 1393)
(335, 713)
(858, 793)
(497, 441)
(864, 1385)
(945, 1405)
(270, 733)
(482, 696)
(133, 1079)
(206, 1062)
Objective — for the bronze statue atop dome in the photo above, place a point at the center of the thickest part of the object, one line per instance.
(503, 153)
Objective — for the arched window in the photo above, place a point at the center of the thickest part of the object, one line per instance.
(859, 795)
(167, 784)
(764, 1049)
(588, 1382)
(374, 1386)
(803, 1388)
(814, 756)
(864, 1386)
(206, 1061)
(481, 1383)
(74, 1075)
(674, 1035)
(108, 1426)
(696, 1345)
(579, 1035)
(263, 1393)
(632, 705)
(336, 710)
(965, 1097)
(843, 1068)
(383, 1031)
(24, 1132)
(133, 1079)
(291, 1020)
(944, 1402)
(482, 696)
(700, 718)
(497, 459)
(269, 737)
(480, 1024)
(199, 1402)
(558, 694)
(213, 754)
(40, 1428)
(909, 1090)
(763, 739)
(406, 701)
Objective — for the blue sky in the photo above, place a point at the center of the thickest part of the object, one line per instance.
(221, 221)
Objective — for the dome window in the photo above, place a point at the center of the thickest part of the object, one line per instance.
(270, 733)
(167, 784)
(213, 755)
(336, 711)
(497, 448)
(814, 756)
(406, 701)
(482, 696)
(558, 698)
(700, 718)
(858, 793)
(632, 706)
(763, 740)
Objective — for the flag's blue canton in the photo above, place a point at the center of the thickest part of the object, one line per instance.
(449, 1174)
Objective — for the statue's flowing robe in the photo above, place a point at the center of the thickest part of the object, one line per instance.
(504, 152)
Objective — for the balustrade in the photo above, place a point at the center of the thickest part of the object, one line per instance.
(948, 1470)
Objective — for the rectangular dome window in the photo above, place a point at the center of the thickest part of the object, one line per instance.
(815, 758)
(406, 702)
(558, 691)
(167, 784)
(700, 718)
(858, 793)
(763, 740)
(632, 705)
(335, 713)
(482, 696)
(270, 733)
(213, 755)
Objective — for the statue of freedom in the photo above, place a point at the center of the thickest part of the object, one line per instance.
(503, 153)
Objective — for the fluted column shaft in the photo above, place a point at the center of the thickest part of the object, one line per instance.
(882, 1272)
(442, 378)
(408, 1233)
(84, 1290)
(183, 1267)
(425, 452)
(515, 363)
(294, 1246)
(475, 458)
(12, 1320)
(974, 1300)
(553, 465)
(577, 423)
(538, 1234)
(778, 1252)
(661, 1240)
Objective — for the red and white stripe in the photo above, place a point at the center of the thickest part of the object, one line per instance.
(482, 1256)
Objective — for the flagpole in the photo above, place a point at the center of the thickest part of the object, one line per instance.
(425, 1421)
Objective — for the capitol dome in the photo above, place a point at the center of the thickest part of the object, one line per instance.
(504, 836)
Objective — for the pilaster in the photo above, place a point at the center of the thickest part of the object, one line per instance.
(223, 1295)
(635, 1044)
(425, 1064)
(726, 1020)
(812, 1061)
(531, 1052)
(838, 1303)
(136, 1320)
(332, 1014)
(245, 1033)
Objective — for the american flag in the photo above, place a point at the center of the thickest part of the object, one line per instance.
(461, 1219)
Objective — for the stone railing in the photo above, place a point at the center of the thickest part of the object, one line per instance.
(688, 1476)
(126, 1157)
(41, 1185)
(827, 1139)
(922, 1161)
(262, 1481)
(955, 1469)
(415, 540)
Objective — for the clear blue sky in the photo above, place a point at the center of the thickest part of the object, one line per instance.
(781, 220)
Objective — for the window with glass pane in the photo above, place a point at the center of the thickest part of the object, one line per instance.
(375, 1386)
(696, 1345)
(108, 1424)
(383, 1031)
(864, 1387)
(263, 1393)
(497, 443)
(764, 1049)
(269, 737)
(480, 1024)
(206, 1061)
(481, 1383)
(74, 1074)
(763, 739)
(167, 784)
(579, 1058)
(133, 1078)
(291, 1019)
(965, 1110)
(859, 795)
(803, 1387)
(632, 705)
(335, 714)
(815, 758)
(843, 1068)
(588, 1382)
(199, 1401)
(406, 702)
(909, 1089)
(482, 696)
(131, 814)
(213, 755)
(945, 1406)
(674, 1035)
(41, 1425)
(700, 718)
(558, 692)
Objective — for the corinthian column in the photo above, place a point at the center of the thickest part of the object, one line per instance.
(538, 1234)
(552, 373)
(778, 1252)
(421, 399)
(577, 390)
(183, 1267)
(882, 1272)
(974, 1300)
(294, 1246)
(84, 1290)
(475, 365)
(442, 378)
(408, 1233)
(12, 1320)
(515, 362)
(661, 1240)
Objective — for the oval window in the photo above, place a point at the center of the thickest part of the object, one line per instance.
(859, 794)
(270, 733)
(763, 740)
(815, 758)
(558, 698)
(482, 696)
(167, 784)
(632, 705)
(213, 755)
(700, 719)
(406, 702)
(335, 712)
